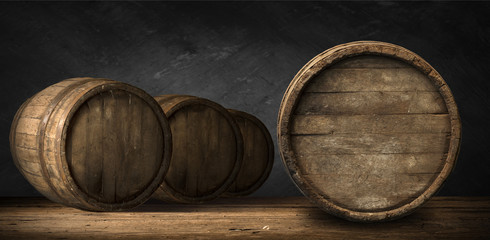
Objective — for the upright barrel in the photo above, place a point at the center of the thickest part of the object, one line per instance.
(95, 144)
(369, 131)
(258, 155)
(207, 149)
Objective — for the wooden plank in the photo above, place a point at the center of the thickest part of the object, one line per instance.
(29, 155)
(196, 149)
(371, 123)
(176, 174)
(225, 152)
(26, 140)
(94, 156)
(371, 103)
(368, 191)
(245, 218)
(365, 80)
(44, 98)
(32, 168)
(122, 184)
(369, 143)
(148, 161)
(28, 204)
(29, 125)
(76, 146)
(372, 163)
(216, 145)
(207, 124)
(242, 179)
(370, 62)
(111, 148)
(33, 112)
(134, 148)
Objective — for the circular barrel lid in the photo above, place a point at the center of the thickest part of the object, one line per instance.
(368, 130)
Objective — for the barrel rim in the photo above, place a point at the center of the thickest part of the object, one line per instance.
(61, 133)
(191, 100)
(330, 57)
(270, 160)
(57, 195)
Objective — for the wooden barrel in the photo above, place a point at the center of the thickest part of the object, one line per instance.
(258, 155)
(207, 149)
(369, 131)
(94, 144)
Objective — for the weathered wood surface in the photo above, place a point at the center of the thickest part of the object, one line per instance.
(207, 149)
(369, 143)
(368, 130)
(244, 218)
(258, 155)
(370, 103)
(371, 123)
(94, 144)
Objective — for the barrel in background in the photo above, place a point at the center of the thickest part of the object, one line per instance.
(207, 149)
(258, 155)
(94, 144)
(369, 131)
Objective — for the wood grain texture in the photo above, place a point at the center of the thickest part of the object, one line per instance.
(244, 218)
(258, 155)
(370, 73)
(368, 130)
(371, 123)
(75, 142)
(207, 149)
(394, 143)
(371, 103)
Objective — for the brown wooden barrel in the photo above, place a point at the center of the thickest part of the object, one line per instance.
(369, 131)
(207, 149)
(94, 144)
(258, 155)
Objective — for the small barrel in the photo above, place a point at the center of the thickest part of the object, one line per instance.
(369, 131)
(207, 149)
(258, 155)
(93, 144)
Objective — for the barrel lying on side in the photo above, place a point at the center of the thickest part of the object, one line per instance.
(258, 155)
(94, 144)
(369, 131)
(207, 149)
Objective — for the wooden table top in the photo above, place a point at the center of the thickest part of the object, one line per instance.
(244, 218)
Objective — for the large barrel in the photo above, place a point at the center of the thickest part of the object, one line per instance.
(207, 149)
(258, 155)
(94, 144)
(369, 131)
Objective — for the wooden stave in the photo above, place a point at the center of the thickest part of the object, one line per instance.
(330, 57)
(70, 194)
(270, 161)
(170, 103)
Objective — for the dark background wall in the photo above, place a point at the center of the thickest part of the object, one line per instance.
(241, 55)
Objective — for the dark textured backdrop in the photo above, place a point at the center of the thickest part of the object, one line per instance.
(241, 55)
